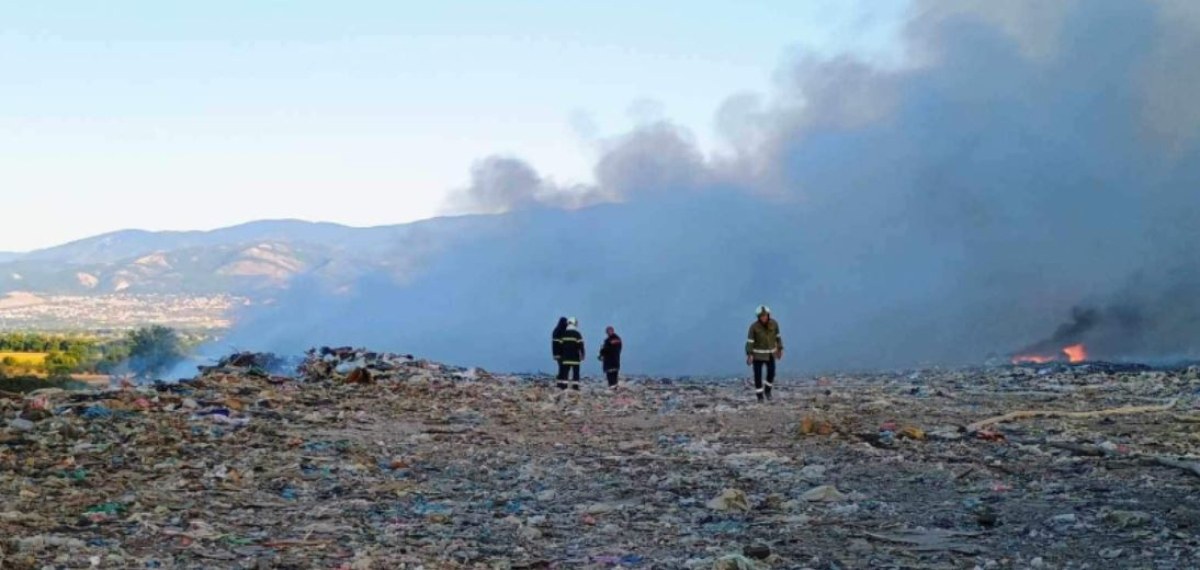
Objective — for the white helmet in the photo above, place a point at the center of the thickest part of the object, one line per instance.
(572, 322)
(762, 309)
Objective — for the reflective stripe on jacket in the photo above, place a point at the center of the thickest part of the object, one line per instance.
(571, 347)
(556, 344)
(763, 341)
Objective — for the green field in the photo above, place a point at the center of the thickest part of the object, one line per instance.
(25, 358)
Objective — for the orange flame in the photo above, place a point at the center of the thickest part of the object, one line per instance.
(1031, 359)
(1076, 353)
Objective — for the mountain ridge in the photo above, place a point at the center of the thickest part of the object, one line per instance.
(116, 245)
(240, 259)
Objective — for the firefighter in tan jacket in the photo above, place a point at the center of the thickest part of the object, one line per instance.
(764, 346)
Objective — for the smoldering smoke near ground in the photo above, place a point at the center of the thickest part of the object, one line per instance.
(950, 209)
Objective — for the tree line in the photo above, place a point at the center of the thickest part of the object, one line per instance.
(38, 342)
(145, 351)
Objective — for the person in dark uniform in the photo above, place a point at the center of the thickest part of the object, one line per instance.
(571, 355)
(610, 355)
(764, 346)
(556, 339)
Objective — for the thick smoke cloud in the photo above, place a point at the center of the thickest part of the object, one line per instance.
(503, 184)
(1032, 157)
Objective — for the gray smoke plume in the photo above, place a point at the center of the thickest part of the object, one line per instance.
(1031, 157)
(503, 184)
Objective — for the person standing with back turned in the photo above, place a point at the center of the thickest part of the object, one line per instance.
(764, 346)
(571, 355)
(556, 347)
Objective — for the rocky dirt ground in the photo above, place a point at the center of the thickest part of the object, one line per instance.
(417, 465)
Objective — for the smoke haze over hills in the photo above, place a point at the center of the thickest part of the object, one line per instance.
(1028, 159)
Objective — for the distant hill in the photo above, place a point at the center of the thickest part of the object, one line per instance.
(122, 245)
(242, 259)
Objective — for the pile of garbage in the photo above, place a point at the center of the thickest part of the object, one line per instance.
(358, 366)
(362, 366)
(254, 363)
(340, 364)
(361, 460)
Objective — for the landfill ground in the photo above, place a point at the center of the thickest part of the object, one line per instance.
(402, 463)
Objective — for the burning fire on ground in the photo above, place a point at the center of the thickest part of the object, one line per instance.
(1074, 354)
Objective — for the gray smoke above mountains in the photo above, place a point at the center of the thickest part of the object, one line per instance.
(1031, 158)
(503, 184)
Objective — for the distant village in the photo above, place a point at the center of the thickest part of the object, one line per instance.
(117, 312)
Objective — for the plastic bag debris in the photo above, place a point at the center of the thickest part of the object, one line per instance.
(730, 500)
(823, 494)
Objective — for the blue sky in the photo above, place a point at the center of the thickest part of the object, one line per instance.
(172, 115)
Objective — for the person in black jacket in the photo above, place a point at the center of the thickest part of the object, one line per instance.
(571, 354)
(610, 355)
(556, 339)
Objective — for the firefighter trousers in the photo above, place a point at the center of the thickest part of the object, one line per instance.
(762, 388)
(568, 370)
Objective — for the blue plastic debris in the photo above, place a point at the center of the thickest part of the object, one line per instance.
(625, 561)
(424, 508)
(513, 507)
(96, 412)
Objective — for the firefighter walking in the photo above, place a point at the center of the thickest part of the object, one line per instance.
(570, 355)
(764, 346)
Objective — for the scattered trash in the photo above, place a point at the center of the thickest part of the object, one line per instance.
(1025, 414)
(931, 540)
(812, 426)
(989, 435)
(1128, 519)
(626, 561)
(813, 473)
(352, 459)
(97, 412)
(986, 516)
(734, 562)
(730, 500)
(946, 433)
(823, 494)
(757, 552)
(1064, 519)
